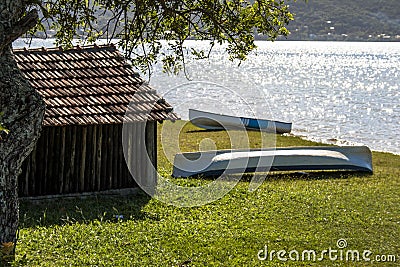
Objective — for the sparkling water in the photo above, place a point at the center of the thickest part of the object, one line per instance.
(335, 92)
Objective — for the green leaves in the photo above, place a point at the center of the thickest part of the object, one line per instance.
(141, 25)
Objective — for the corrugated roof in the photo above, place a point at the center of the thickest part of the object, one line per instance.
(90, 85)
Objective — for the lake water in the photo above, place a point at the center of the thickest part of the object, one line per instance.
(334, 92)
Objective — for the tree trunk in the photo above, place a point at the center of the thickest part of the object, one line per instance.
(22, 114)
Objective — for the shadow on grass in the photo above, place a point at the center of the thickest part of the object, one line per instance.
(61, 211)
(313, 175)
(289, 176)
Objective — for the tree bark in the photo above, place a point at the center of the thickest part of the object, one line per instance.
(23, 111)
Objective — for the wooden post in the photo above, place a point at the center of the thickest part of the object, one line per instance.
(62, 161)
(116, 142)
(89, 156)
(129, 129)
(109, 164)
(125, 174)
(51, 165)
(94, 159)
(71, 169)
(83, 161)
(122, 174)
(151, 150)
(67, 158)
(104, 156)
(99, 156)
(45, 155)
(53, 180)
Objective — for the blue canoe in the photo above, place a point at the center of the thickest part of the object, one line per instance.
(214, 121)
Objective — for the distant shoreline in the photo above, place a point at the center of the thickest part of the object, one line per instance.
(280, 39)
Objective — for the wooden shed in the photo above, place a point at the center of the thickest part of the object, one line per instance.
(87, 91)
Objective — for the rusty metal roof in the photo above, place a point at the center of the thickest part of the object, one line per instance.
(90, 85)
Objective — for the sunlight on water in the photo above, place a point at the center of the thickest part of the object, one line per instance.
(345, 93)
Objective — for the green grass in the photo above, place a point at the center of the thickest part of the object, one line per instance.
(287, 212)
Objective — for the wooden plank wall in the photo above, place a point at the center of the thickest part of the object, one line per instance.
(75, 159)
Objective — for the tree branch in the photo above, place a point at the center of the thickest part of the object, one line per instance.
(19, 28)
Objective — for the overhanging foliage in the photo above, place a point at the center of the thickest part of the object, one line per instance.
(141, 25)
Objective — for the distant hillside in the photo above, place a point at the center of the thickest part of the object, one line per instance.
(351, 20)
(347, 20)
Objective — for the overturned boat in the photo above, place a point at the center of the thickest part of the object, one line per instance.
(213, 121)
(219, 162)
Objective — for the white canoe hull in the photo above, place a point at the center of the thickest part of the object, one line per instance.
(213, 121)
(218, 162)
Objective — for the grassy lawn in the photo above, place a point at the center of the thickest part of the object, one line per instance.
(288, 212)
